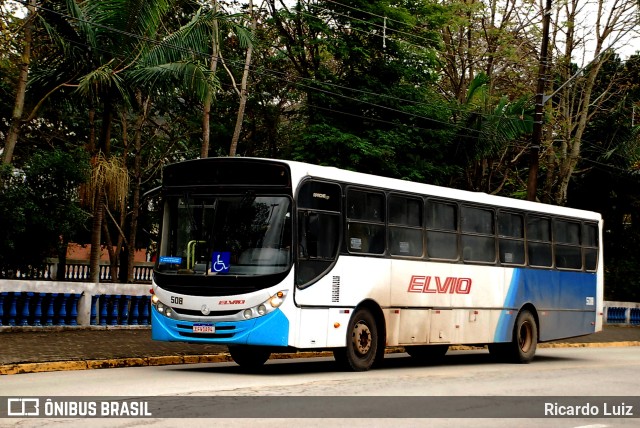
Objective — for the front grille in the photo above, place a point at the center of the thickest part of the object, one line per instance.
(199, 313)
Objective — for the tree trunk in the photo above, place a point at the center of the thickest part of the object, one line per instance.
(243, 89)
(18, 106)
(135, 187)
(206, 110)
(94, 261)
(113, 254)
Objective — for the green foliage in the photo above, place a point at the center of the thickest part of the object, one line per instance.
(39, 206)
(331, 83)
(609, 180)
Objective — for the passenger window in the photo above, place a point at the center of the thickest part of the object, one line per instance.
(476, 220)
(365, 222)
(441, 216)
(539, 241)
(567, 232)
(477, 235)
(366, 206)
(405, 226)
(405, 211)
(538, 228)
(568, 253)
(510, 225)
(511, 238)
(590, 246)
(442, 230)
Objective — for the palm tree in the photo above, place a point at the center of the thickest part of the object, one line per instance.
(98, 43)
(189, 58)
(110, 51)
(487, 133)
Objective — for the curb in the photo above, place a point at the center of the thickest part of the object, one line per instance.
(21, 368)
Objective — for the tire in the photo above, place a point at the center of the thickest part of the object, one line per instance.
(525, 337)
(522, 348)
(427, 353)
(362, 343)
(249, 357)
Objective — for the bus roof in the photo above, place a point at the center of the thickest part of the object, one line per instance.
(300, 170)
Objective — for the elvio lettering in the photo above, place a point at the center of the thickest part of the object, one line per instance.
(435, 284)
(231, 302)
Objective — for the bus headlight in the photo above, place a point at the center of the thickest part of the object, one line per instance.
(277, 299)
(161, 307)
(270, 305)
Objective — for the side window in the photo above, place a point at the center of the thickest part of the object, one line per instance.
(567, 249)
(590, 246)
(442, 230)
(405, 226)
(511, 238)
(477, 235)
(539, 241)
(365, 222)
(319, 220)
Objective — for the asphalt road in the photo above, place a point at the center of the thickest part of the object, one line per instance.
(311, 392)
(25, 350)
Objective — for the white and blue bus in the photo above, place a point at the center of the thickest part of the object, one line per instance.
(277, 256)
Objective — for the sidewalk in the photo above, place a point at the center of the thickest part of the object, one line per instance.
(48, 349)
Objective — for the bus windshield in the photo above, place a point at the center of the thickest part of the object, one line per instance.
(226, 235)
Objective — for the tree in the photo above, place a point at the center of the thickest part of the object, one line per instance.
(490, 139)
(366, 97)
(40, 208)
(102, 40)
(242, 92)
(18, 108)
(188, 58)
(610, 175)
(574, 103)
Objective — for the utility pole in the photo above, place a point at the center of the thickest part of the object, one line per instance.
(536, 136)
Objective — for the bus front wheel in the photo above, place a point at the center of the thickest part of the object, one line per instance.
(249, 357)
(362, 342)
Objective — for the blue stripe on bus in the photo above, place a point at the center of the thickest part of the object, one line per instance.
(269, 330)
(562, 295)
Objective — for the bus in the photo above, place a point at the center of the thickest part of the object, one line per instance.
(267, 256)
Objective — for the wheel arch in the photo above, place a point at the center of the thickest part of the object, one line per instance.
(378, 315)
(531, 308)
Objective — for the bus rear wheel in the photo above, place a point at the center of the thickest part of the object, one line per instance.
(249, 357)
(362, 343)
(522, 348)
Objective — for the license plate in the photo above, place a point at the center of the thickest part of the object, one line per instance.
(204, 328)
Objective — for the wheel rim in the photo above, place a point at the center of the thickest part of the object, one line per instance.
(525, 336)
(361, 338)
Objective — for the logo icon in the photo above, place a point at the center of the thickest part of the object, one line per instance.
(220, 261)
(23, 407)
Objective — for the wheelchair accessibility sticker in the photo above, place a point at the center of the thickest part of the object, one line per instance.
(220, 262)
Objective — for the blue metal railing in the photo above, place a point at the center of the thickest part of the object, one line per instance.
(117, 309)
(61, 309)
(616, 315)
